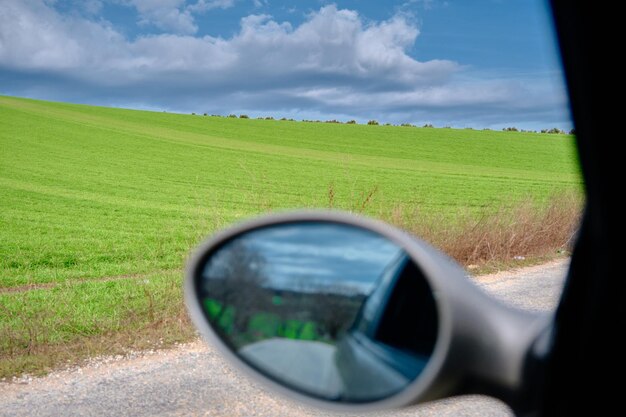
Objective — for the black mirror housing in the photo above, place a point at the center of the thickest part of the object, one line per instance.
(352, 314)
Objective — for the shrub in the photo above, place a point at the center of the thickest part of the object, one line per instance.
(510, 129)
(527, 227)
(554, 130)
(351, 122)
(428, 125)
(243, 116)
(269, 118)
(232, 115)
(372, 122)
(407, 125)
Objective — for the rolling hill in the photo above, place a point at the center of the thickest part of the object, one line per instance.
(93, 192)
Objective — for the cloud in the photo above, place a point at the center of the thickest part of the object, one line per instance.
(334, 63)
(172, 16)
(168, 15)
(91, 7)
(205, 5)
(35, 37)
(322, 254)
(332, 47)
(425, 4)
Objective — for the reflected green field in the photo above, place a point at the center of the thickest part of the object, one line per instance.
(261, 326)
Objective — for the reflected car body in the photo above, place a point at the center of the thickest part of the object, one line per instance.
(376, 358)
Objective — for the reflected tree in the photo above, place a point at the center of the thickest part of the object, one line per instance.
(245, 303)
(235, 278)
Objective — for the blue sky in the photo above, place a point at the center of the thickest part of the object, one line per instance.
(482, 63)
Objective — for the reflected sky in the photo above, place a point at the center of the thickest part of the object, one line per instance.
(308, 256)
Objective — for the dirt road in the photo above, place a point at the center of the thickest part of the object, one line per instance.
(193, 380)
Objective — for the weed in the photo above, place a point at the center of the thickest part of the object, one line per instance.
(500, 234)
(95, 200)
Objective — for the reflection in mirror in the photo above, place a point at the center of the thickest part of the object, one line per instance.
(331, 310)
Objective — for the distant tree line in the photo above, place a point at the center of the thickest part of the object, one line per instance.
(554, 130)
(374, 122)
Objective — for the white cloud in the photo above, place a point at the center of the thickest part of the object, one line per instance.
(168, 15)
(337, 43)
(334, 63)
(34, 36)
(331, 43)
(174, 16)
(426, 4)
(205, 5)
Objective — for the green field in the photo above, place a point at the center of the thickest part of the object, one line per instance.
(262, 326)
(90, 194)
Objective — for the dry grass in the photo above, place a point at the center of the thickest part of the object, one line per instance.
(501, 236)
(48, 328)
(41, 358)
(64, 324)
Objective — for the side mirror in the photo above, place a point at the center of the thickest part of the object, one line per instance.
(347, 313)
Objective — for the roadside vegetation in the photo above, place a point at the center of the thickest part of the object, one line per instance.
(524, 233)
(100, 208)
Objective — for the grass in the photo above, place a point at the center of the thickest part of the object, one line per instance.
(501, 236)
(95, 200)
(44, 328)
(261, 326)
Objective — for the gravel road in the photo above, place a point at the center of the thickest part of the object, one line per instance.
(193, 380)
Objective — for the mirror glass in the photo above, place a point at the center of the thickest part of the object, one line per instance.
(331, 310)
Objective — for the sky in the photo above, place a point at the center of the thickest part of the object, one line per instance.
(310, 256)
(480, 63)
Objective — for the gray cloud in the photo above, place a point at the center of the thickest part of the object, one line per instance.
(318, 253)
(334, 64)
